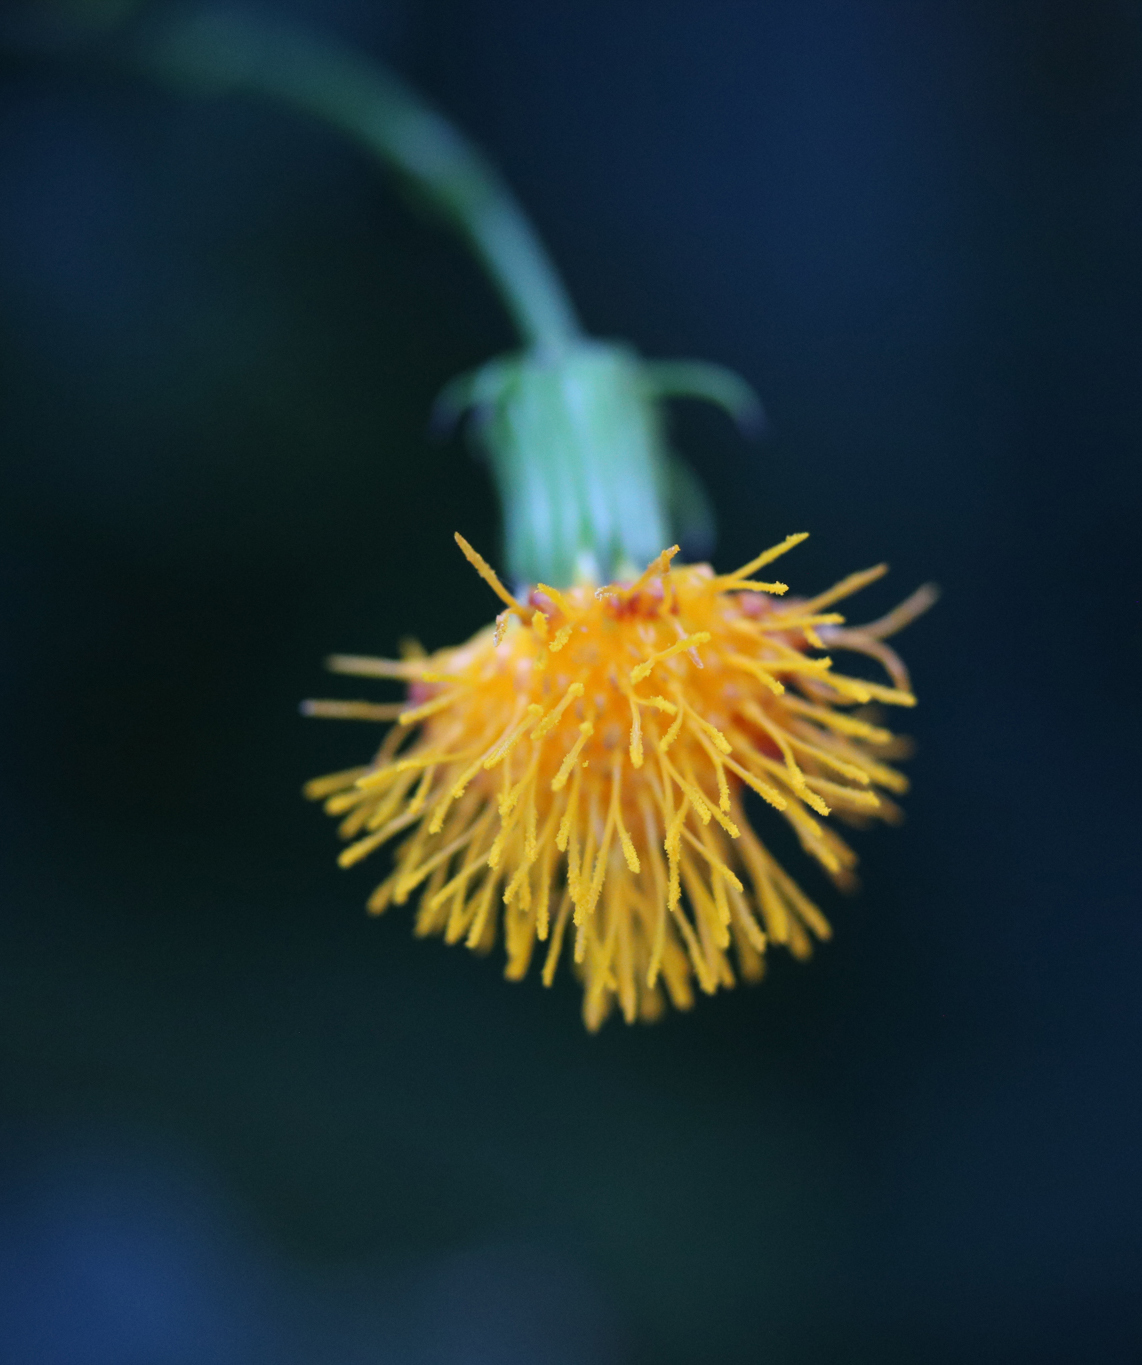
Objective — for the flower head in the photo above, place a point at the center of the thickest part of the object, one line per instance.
(577, 771)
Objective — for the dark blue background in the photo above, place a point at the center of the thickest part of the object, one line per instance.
(242, 1122)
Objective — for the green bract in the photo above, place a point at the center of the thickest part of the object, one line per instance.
(576, 439)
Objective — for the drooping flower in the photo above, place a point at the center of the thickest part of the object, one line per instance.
(577, 773)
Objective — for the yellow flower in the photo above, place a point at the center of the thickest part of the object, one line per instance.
(578, 771)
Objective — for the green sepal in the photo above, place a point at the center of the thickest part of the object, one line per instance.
(578, 453)
(576, 441)
(713, 383)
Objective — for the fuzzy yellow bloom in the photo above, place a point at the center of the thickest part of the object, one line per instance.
(578, 771)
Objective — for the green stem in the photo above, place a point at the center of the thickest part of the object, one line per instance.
(319, 75)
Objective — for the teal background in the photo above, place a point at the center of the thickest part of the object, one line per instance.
(243, 1123)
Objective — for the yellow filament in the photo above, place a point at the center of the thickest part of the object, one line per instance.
(840, 721)
(655, 569)
(672, 734)
(635, 729)
(616, 806)
(785, 744)
(716, 811)
(792, 618)
(748, 585)
(555, 715)
(845, 588)
(570, 816)
(699, 637)
(488, 574)
(556, 946)
(715, 862)
(362, 666)
(659, 704)
(759, 671)
(429, 708)
(506, 745)
(416, 805)
(704, 725)
(557, 597)
(318, 787)
(352, 710)
(719, 772)
(763, 789)
(586, 730)
(774, 552)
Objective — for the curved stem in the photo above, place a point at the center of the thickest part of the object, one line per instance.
(229, 51)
